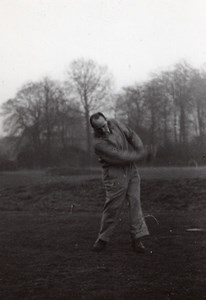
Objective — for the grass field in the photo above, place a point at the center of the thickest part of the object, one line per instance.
(49, 223)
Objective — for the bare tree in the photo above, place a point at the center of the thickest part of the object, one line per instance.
(69, 121)
(182, 98)
(199, 102)
(92, 85)
(130, 107)
(166, 109)
(40, 116)
(23, 113)
(153, 103)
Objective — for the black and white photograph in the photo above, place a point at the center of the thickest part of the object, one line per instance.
(102, 150)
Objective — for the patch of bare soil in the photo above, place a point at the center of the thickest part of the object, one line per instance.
(47, 231)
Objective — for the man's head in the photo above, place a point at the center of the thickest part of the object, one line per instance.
(99, 122)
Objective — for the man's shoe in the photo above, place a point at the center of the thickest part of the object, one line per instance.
(99, 245)
(138, 246)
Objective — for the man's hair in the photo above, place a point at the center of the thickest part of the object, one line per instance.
(96, 117)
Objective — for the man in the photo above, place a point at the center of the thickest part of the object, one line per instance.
(119, 149)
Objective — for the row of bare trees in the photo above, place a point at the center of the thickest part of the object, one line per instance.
(48, 120)
(169, 111)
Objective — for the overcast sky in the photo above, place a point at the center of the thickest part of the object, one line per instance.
(132, 37)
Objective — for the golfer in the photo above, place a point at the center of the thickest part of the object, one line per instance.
(119, 149)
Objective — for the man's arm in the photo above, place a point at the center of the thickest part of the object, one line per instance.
(112, 155)
(133, 139)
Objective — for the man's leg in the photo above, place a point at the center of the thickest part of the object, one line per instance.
(110, 217)
(115, 198)
(138, 227)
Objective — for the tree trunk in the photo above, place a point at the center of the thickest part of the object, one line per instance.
(200, 122)
(183, 135)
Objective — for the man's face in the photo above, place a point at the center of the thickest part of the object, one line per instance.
(102, 124)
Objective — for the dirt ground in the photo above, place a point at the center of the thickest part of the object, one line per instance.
(49, 224)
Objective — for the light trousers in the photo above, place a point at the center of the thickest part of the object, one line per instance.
(122, 185)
